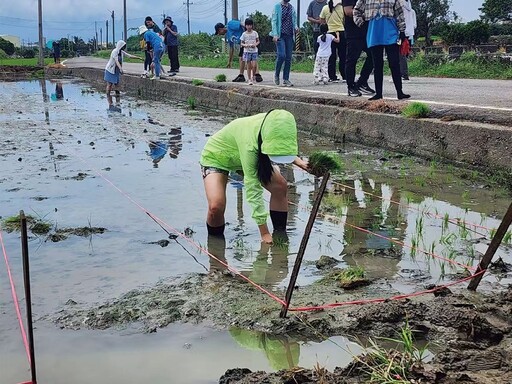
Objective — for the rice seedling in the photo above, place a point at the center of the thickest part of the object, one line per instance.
(507, 239)
(492, 233)
(394, 365)
(351, 277)
(416, 110)
(446, 222)
(220, 78)
(322, 162)
(336, 204)
(197, 82)
(449, 239)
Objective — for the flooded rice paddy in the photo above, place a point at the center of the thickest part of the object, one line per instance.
(69, 161)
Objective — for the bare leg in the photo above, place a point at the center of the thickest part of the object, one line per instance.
(278, 188)
(215, 188)
(109, 96)
(231, 52)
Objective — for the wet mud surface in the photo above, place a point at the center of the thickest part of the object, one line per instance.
(119, 271)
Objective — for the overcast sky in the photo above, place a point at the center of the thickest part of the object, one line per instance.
(77, 17)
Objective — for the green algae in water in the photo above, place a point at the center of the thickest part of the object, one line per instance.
(36, 226)
(322, 161)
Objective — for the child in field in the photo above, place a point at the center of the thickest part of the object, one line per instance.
(250, 41)
(324, 42)
(114, 69)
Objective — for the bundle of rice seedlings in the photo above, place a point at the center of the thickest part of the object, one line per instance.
(322, 161)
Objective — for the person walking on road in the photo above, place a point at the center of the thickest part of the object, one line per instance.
(171, 40)
(284, 28)
(324, 43)
(334, 17)
(313, 13)
(410, 26)
(356, 43)
(386, 32)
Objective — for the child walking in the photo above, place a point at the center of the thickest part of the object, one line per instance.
(324, 41)
(250, 41)
(114, 69)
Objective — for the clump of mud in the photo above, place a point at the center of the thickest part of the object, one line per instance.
(63, 233)
(470, 333)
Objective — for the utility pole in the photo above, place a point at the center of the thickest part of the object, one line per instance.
(113, 31)
(125, 22)
(188, 4)
(96, 34)
(101, 38)
(40, 21)
(298, 13)
(106, 39)
(234, 9)
(225, 12)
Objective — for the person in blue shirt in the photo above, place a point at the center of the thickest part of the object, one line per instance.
(171, 40)
(155, 43)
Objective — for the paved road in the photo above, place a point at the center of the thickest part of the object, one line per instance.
(482, 94)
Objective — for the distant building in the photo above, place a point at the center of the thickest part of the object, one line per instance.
(13, 39)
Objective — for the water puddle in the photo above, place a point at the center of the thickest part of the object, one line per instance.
(62, 149)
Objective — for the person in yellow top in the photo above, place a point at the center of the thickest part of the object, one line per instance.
(333, 15)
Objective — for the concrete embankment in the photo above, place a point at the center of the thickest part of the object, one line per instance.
(472, 138)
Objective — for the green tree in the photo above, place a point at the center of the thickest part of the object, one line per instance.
(431, 14)
(496, 10)
(262, 23)
(7, 46)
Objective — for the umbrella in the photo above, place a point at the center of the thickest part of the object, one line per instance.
(49, 44)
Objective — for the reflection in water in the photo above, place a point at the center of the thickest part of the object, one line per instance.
(217, 247)
(281, 352)
(42, 83)
(157, 151)
(59, 92)
(271, 264)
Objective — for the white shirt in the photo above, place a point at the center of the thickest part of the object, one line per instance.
(250, 38)
(324, 50)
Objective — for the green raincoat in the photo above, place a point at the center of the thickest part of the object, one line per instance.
(235, 148)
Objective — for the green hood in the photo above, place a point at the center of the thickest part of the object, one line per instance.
(279, 134)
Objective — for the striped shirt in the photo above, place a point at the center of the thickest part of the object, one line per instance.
(366, 10)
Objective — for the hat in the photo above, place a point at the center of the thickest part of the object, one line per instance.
(217, 27)
(282, 159)
(143, 29)
(168, 18)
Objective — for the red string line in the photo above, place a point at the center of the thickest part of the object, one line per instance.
(393, 298)
(15, 298)
(177, 232)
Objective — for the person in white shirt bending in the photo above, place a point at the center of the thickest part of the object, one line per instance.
(324, 41)
(250, 41)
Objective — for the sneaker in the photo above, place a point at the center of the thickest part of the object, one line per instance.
(354, 92)
(250, 82)
(287, 83)
(258, 78)
(171, 74)
(402, 96)
(343, 81)
(152, 77)
(276, 80)
(335, 80)
(405, 78)
(144, 76)
(239, 79)
(365, 88)
(175, 70)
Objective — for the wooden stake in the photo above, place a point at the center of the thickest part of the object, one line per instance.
(303, 245)
(493, 247)
(28, 295)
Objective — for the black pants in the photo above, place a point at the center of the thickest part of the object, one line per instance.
(315, 39)
(354, 49)
(172, 50)
(147, 61)
(393, 53)
(339, 51)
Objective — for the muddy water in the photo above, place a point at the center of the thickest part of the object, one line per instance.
(55, 140)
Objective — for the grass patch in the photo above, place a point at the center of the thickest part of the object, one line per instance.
(323, 161)
(192, 102)
(392, 366)
(348, 278)
(197, 82)
(221, 78)
(416, 110)
(35, 225)
(24, 62)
